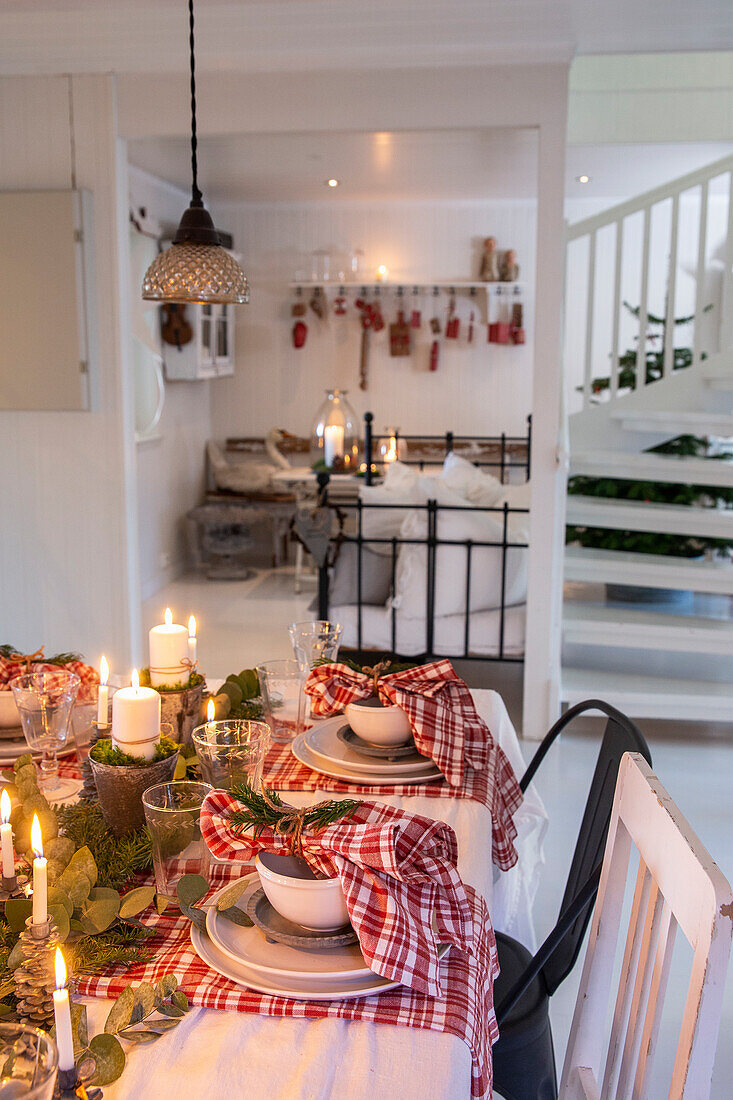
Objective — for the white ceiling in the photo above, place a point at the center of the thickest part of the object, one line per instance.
(249, 35)
(434, 165)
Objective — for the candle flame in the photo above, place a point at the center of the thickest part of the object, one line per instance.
(103, 670)
(36, 838)
(168, 617)
(60, 969)
(210, 711)
(192, 627)
(4, 807)
(135, 679)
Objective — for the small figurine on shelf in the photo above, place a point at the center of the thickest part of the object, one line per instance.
(509, 267)
(489, 272)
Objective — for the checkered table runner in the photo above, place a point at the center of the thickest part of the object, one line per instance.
(465, 1009)
(495, 787)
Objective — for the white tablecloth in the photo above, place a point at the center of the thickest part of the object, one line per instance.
(237, 1056)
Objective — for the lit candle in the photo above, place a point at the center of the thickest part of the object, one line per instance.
(382, 273)
(210, 712)
(62, 1016)
(136, 719)
(168, 646)
(333, 443)
(40, 880)
(192, 640)
(6, 836)
(103, 697)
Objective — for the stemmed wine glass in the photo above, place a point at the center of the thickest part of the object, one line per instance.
(44, 701)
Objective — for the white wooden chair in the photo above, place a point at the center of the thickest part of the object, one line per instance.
(678, 885)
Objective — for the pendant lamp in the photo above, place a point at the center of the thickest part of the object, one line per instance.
(195, 268)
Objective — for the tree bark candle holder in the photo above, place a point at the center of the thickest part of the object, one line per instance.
(120, 789)
(35, 978)
(180, 709)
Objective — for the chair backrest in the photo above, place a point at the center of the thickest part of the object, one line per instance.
(677, 886)
(620, 736)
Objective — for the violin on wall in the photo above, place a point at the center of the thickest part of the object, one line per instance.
(174, 328)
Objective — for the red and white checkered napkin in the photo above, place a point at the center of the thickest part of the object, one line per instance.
(396, 869)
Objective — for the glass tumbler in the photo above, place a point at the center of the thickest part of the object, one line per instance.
(283, 698)
(231, 752)
(28, 1063)
(315, 642)
(44, 701)
(172, 813)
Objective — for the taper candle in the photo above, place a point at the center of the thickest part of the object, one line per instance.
(62, 1016)
(40, 875)
(103, 697)
(6, 836)
(192, 646)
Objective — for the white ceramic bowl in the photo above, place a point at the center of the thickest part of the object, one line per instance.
(9, 717)
(377, 724)
(291, 887)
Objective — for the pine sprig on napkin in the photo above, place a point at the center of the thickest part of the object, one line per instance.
(271, 812)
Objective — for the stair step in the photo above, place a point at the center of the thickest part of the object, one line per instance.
(718, 377)
(591, 566)
(650, 696)
(637, 515)
(652, 467)
(632, 628)
(679, 422)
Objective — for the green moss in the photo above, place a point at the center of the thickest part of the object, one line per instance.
(193, 681)
(104, 752)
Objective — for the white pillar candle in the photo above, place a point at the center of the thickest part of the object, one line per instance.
(40, 878)
(62, 1016)
(136, 719)
(168, 645)
(333, 443)
(6, 836)
(192, 640)
(103, 697)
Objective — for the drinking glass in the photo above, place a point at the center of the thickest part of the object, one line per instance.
(231, 752)
(44, 701)
(172, 813)
(314, 642)
(28, 1062)
(281, 688)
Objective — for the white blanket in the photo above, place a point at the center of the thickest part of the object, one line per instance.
(238, 1056)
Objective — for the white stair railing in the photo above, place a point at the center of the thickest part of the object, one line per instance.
(616, 216)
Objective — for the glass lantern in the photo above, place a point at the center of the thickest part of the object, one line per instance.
(392, 447)
(336, 440)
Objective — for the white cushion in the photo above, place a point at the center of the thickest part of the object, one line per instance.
(451, 561)
(462, 477)
(399, 487)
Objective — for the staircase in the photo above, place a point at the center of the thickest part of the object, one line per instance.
(671, 657)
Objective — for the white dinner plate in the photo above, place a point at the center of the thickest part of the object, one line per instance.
(323, 742)
(389, 777)
(307, 989)
(277, 962)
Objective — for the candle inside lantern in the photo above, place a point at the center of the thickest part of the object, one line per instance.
(168, 646)
(6, 836)
(62, 1016)
(103, 697)
(382, 273)
(192, 639)
(40, 877)
(333, 443)
(136, 719)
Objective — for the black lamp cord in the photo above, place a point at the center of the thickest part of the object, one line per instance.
(196, 196)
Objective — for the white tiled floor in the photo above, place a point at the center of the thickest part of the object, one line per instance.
(243, 623)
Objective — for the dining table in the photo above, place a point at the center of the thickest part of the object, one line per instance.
(235, 1054)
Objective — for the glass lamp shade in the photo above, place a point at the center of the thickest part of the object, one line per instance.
(336, 441)
(190, 272)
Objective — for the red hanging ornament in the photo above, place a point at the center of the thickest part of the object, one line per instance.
(300, 332)
(434, 353)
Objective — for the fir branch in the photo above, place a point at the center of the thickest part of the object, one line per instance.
(259, 815)
(118, 859)
(122, 945)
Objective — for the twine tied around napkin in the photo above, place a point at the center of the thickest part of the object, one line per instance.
(398, 873)
(292, 820)
(28, 658)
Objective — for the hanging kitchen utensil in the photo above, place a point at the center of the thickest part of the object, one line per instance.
(366, 311)
(517, 328)
(435, 326)
(415, 316)
(469, 336)
(377, 318)
(452, 324)
(318, 303)
(399, 336)
(300, 332)
(298, 308)
(434, 352)
(339, 303)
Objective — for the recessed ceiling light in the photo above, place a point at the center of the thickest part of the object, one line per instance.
(332, 182)
(583, 179)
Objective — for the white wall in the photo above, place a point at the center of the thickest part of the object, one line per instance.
(478, 388)
(66, 498)
(170, 466)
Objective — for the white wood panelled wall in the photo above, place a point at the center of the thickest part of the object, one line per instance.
(65, 494)
(478, 388)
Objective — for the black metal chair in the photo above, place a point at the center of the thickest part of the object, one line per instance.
(524, 1059)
